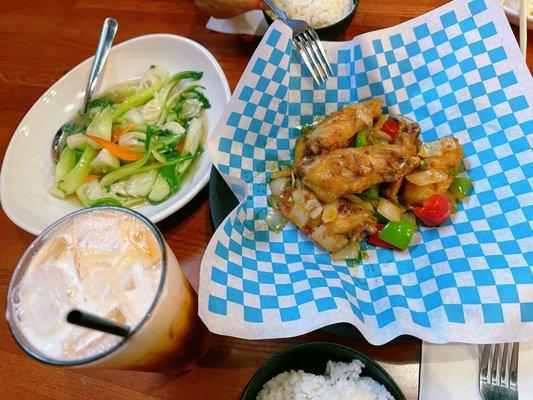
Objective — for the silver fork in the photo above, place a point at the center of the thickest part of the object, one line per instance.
(307, 43)
(498, 372)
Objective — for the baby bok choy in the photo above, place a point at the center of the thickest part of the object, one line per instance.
(134, 146)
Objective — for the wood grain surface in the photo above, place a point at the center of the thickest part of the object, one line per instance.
(42, 40)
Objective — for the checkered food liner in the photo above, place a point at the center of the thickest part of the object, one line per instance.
(456, 70)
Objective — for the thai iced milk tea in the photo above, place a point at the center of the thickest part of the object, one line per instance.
(109, 263)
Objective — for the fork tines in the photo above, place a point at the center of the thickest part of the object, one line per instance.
(498, 370)
(313, 54)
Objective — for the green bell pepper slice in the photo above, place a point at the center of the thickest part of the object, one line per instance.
(362, 138)
(370, 193)
(399, 234)
(460, 187)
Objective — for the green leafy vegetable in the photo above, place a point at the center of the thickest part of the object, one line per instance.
(70, 128)
(101, 102)
(204, 100)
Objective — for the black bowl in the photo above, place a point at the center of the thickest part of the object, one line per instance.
(330, 32)
(312, 358)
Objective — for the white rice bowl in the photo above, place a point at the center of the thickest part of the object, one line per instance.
(341, 381)
(317, 13)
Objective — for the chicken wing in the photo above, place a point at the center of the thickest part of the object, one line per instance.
(337, 129)
(448, 158)
(354, 170)
(407, 137)
(332, 225)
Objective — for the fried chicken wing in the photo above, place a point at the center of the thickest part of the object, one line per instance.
(407, 137)
(332, 225)
(330, 170)
(448, 159)
(337, 129)
(354, 170)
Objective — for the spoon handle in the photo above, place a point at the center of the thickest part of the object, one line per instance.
(276, 10)
(109, 29)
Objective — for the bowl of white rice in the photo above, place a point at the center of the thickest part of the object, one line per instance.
(321, 371)
(328, 17)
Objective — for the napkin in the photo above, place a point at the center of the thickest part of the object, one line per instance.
(451, 371)
(250, 23)
(456, 70)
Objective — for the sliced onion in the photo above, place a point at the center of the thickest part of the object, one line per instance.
(298, 196)
(350, 251)
(331, 210)
(275, 220)
(312, 203)
(431, 149)
(174, 127)
(360, 202)
(132, 138)
(277, 186)
(382, 136)
(389, 210)
(330, 242)
(299, 216)
(427, 177)
(315, 212)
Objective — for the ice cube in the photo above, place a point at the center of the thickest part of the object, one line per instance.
(87, 342)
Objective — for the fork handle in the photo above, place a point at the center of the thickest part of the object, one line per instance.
(276, 10)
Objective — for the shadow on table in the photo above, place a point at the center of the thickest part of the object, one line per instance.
(179, 217)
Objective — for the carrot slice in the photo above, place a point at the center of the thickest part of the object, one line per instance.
(117, 133)
(118, 151)
(92, 177)
(180, 145)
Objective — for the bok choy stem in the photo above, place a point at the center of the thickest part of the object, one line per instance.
(147, 94)
(80, 171)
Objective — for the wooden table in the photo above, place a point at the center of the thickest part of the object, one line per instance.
(41, 41)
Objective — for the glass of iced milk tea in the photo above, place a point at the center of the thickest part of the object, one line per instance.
(113, 263)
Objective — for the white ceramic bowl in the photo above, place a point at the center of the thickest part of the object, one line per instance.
(27, 169)
(514, 17)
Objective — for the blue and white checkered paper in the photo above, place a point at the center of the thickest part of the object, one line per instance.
(456, 70)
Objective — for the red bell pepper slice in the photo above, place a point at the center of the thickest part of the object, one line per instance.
(376, 241)
(391, 128)
(434, 211)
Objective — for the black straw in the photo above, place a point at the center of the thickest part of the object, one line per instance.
(81, 318)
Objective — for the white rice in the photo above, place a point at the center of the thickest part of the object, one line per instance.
(340, 382)
(317, 13)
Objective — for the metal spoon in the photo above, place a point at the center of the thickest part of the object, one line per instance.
(109, 29)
